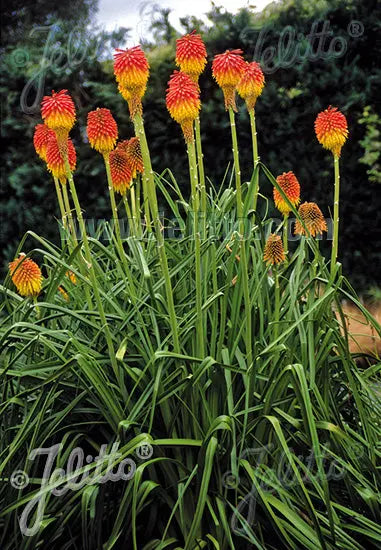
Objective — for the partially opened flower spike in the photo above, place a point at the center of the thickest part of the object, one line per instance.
(274, 252)
(131, 69)
(134, 154)
(312, 218)
(121, 174)
(291, 188)
(228, 69)
(102, 130)
(331, 129)
(183, 102)
(26, 276)
(251, 84)
(191, 55)
(55, 161)
(58, 111)
(41, 136)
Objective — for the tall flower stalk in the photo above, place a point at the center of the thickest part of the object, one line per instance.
(250, 88)
(131, 70)
(191, 58)
(58, 112)
(332, 131)
(183, 104)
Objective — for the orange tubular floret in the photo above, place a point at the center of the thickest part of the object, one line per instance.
(312, 218)
(121, 174)
(291, 188)
(274, 251)
(183, 102)
(331, 129)
(191, 55)
(58, 111)
(228, 69)
(134, 154)
(41, 138)
(131, 70)
(102, 130)
(26, 276)
(251, 84)
(54, 159)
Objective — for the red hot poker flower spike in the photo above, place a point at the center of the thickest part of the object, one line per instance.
(313, 219)
(132, 148)
(291, 188)
(26, 276)
(102, 130)
(274, 251)
(228, 69)
(183, 102)
(121, 174)
(131, 70)
(331, 129)
(58, 111)
(55, 161)
(191, 55)
(41, 138)
(251, 84)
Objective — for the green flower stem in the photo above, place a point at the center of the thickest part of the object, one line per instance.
(200, 161)
(146, 202)
(335, 241)
(119, 243)
(136, 224)
(91, 271)
(255, 156)
(151, 194)
(196, 235)
(138, 191)
(244, 273)
(60, 202)
(69, 214)
(131, 224)
(277, 303)
(285, 234)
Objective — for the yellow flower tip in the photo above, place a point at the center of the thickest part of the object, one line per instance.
(274, 251)
(251, 84)
(71, 276)
(331, 129)
(63, 293)
(26, 276)
(291, 188)
(312, 218)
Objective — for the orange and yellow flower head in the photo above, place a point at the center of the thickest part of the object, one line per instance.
(134, 154)
(251, 84)
(183, 102)
(331, 129)
(121, 174)
(312, 218)
(191, 55)
(102, 130)
(274, 251)
(40, 139)
(228, 69)
(131, 69)
(291, 188)
(58, 111)
(26, 276)
(55, 161)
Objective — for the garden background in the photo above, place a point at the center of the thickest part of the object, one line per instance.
(48, 44)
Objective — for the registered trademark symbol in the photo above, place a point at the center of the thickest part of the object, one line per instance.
(355, 29)
(145, 451)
